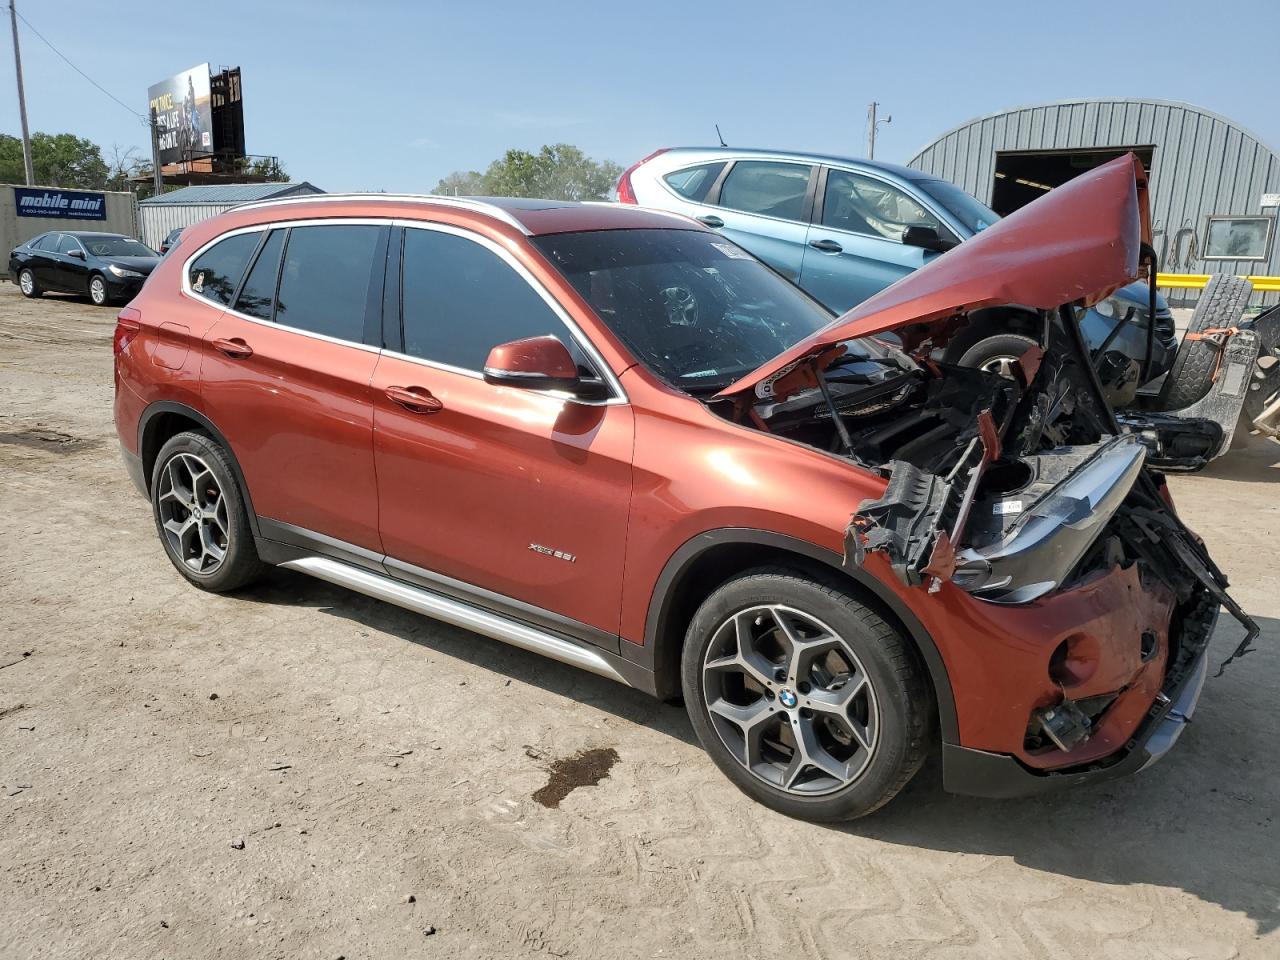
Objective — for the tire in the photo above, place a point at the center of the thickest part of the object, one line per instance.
(98, 291)
(27, 284)
(1221, 304)
(996, 352)
(870, 709)
(200, 514)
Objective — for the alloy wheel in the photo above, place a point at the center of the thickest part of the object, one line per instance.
(27, 283)
(193, 513)
(1001, 365)
(98, 291)
(790, 700)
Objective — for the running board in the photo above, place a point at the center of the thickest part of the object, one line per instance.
(455, 612)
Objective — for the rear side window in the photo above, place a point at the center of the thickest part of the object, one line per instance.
(461, 300)
(216, 272)
(324, 286)
(45, 242)
(259, 290)
(692, 183)
(767, 187)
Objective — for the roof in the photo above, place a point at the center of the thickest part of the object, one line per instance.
(229, 193)
(1078, 242)
(907, 173)
(532, 217)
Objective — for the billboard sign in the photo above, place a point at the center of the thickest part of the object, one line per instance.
(183, 112)
(62, 204)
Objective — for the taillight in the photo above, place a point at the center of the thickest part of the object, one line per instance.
(128, 324)
(626, 192)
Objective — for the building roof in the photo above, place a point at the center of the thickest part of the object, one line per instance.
(233, 193)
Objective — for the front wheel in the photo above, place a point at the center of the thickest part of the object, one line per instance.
(997, 353)
(27, 284)
(805, 697)
(98, 292)
(200, 514)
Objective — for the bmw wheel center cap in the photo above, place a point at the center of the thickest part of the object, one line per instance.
(787, 698)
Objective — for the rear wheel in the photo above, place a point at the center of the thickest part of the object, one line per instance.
(98, 292)
(27, 284)
(200, 514)
(803, 696)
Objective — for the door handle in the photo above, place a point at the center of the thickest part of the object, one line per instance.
(415, 399)
(235, 348)
(826, 246)
(711, 220)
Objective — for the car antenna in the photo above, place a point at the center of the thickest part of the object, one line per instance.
(720, 136)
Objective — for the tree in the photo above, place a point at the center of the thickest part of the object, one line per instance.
(58, 159)
(269, 168)
(559, 171)
(124, 164)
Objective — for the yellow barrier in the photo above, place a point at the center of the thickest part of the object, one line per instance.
(1197, 281)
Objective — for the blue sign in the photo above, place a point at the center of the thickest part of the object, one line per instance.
(63, 204)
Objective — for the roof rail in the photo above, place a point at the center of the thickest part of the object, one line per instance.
(468, 203)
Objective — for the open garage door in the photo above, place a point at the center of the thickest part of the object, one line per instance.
(1021, 176)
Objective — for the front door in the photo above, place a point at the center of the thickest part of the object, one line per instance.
(286, 377)
(69, 271)
(512, 491)
(854, 247)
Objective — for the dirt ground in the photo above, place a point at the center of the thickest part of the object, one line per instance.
(297, 771)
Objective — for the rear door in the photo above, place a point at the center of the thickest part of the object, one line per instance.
(285, 374)
(763, 206)
(854, 247)
(41, 260)
(519, 494)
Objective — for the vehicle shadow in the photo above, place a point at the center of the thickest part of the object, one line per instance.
(1257, 459)
(1203, 820)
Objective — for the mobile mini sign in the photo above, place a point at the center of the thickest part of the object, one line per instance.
(59, 204)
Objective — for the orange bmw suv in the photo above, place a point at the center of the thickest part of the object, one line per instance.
(612, 437)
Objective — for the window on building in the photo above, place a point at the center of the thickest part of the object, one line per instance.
(1238, 238)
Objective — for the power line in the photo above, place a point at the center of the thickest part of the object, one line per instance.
(140, 117)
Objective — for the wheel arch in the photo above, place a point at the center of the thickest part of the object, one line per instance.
(712, 558)
(165, 419)
(989, 322)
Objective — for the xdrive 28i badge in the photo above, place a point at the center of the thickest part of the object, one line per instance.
(549, 552)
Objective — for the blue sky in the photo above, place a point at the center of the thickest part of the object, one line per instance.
(393, 95)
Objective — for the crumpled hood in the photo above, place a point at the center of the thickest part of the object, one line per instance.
(1080, 241)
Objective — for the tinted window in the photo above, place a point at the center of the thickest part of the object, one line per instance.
(324, 287)
(118, 247)
(67, 244)
(216, 272)
(461, 300)
(865, 205)
(259, 288)
(46, 242)
(763, 186)
(692, 183)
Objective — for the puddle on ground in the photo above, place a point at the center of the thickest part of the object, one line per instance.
(585, 768)
(39, 439)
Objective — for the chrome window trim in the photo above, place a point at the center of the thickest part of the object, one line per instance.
(579, 336)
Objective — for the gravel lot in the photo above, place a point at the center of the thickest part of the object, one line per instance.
(297, 771)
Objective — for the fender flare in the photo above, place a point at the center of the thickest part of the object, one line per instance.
(680, 562)
(145, 426)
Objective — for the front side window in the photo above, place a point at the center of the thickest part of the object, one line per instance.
(324, 285)
(460, 300)
(767, 187)
(872, 207)
(969, 210)
(257, 296)
(1238, 238)
(216, 273)
(692, 183)
(697, 310)
(67, 244)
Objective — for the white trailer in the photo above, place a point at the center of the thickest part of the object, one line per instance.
(26, 212)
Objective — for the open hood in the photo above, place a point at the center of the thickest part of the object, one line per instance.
(1078, 242)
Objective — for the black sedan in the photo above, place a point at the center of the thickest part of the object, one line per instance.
(108, 267)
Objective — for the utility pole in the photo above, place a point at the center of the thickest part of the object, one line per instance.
(872, 123)
(157, 178)
(22, 98)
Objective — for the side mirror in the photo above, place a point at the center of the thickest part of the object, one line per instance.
(539, 363)
(76, 254)
(926, 238)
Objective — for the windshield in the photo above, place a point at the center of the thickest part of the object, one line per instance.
(974, 214)
(117, 247)
(697, 310)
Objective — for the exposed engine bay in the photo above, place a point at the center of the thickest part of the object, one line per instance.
(1010, 489)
